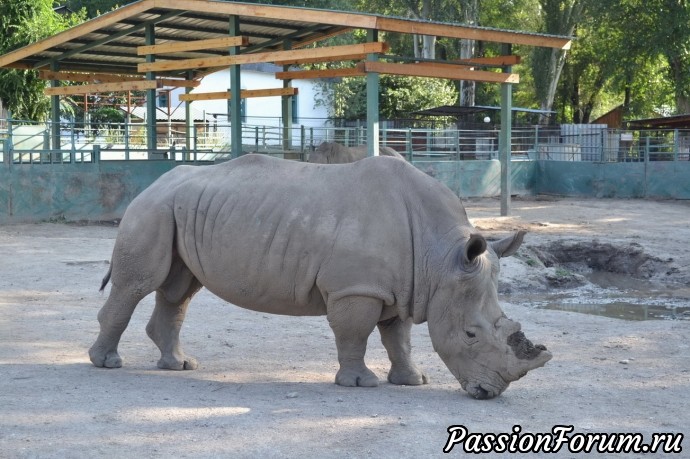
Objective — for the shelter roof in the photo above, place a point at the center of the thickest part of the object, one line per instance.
(113, 43)
(666, 122)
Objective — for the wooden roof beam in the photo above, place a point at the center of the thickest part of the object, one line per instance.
(111, 78)
(316, 74)
(103, 87)
(324, 54)
(474, 33)
(244, 94)
(430, 71)
(183, 46)
(498, 61)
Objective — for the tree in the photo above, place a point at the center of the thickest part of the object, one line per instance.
(560, 17)
(399, 96)
(25, 22)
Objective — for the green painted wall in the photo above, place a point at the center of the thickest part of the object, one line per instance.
(654, 179)
(89, 191)
(102, 191)
(480, 178)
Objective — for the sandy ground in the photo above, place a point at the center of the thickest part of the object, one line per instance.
(265, 385)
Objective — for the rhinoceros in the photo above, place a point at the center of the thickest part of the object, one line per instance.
(375, 243)
(335, 153)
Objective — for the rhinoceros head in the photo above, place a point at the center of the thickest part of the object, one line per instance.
(483, 349)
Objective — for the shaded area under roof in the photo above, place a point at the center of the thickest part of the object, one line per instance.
(666, 122)
(458, 110)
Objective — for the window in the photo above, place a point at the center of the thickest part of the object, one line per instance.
(162, 99)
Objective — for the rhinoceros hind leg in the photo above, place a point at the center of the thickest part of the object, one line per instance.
(113, 317)
(172, 300)
(352, 320)
(395, 336)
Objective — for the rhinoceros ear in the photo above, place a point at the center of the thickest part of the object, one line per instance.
(508, 246)
(475, 246)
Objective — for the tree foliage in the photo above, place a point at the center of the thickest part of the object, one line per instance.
(25, 22)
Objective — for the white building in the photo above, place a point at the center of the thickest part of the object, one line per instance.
(261, 111)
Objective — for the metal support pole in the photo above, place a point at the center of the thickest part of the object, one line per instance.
(235, 105)
(372, 102)
(151, 137)
(55, 114)
(189, 119)
(286, 105)
(505, 138)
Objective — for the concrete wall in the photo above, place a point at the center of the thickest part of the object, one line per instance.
(480, 178)
(90, 191)
(653, 179)
(102, 191)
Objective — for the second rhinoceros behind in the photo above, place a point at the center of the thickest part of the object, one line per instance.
(376, 243)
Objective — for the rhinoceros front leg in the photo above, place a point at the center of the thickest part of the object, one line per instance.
(352, 320)
(395, 336)
(172, 301)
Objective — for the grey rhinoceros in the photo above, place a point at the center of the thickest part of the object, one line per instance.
(376, 243)
(335, 153)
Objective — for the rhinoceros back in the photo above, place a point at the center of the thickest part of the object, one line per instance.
(281, 236)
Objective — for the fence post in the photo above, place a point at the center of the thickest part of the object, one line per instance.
(302, 139)
(96, 154)
(408, 147)
(676, 145)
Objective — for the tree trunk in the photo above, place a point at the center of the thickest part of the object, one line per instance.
(470, 13)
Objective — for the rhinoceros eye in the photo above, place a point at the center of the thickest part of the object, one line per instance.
(470, 334)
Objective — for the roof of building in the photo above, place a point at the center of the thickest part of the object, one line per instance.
(665, 122)
(112, 43)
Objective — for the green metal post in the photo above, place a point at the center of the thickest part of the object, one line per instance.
(372, 102)
(504, 150)
(286, 105)
(151, 137)
(189, 119)
(235, 105)
(55, 114)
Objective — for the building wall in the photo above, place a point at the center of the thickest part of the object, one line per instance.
(260, 110)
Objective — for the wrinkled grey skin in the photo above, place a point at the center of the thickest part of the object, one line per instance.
(375, 243)
(335, 153)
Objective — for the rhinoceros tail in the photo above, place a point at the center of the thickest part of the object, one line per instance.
(106, 279)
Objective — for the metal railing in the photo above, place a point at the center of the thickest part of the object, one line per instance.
(26, 142)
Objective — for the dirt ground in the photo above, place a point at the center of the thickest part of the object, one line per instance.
(265, 383)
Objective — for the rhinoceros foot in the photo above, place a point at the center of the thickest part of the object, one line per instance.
(104, 359)
(407, 376)
(177, 363)
(356, 376)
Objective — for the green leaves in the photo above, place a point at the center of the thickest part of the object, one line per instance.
(27, 21)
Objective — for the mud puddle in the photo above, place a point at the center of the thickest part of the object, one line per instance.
(607, 280)
(605, 303)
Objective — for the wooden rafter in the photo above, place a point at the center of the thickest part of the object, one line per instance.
(103, 87)
(432, 71)
(473, 33)
(495, 61)
(182, 46)
(327, 73)
(111, 78)
(244, 94)
(324, 54)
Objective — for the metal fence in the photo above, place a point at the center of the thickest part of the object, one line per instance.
(28, 142)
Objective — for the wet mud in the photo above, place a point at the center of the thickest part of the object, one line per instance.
(614, 280)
